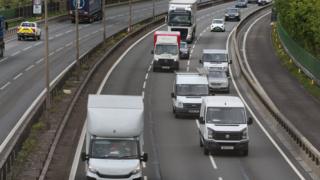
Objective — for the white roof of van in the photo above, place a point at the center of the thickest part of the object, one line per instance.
(214, 51)
(190, 78)
(223, 101)
(167, 40)
(183, 1)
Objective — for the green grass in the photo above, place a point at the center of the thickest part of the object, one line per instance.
(286, 61)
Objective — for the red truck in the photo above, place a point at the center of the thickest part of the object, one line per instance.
(166, 50)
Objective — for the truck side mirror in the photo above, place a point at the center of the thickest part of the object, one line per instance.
(152, 51)
(200, 61)
(84, 156)
(250, 121)
(201, 120)
(173, 95)
(230, 61)
(144, 157)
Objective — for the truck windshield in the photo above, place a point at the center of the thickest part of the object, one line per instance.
(192, 89)
(166, 49)
(114, 149)
(179, 18)
(217, 74)
(225, 115)
(214, 57)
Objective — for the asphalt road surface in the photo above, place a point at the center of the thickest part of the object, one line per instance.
(173, 144)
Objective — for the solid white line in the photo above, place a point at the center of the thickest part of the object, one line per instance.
(39, 61)
(145, 177)
(2, 88)
(16, 53)
(214, 165)
(81, 141)
(30, 67)
(149, 69)
(260, 124)
(17, 76)
(4, 59)
(38, 43)
(26, 48)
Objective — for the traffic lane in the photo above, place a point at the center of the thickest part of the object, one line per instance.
(249, 167)
(61, 59)
(7, 69)
(283, 89)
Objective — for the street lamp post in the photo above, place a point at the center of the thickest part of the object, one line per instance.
(153, 9)
(104, 20)
(130, 16)
(77, 38)
(46, 56)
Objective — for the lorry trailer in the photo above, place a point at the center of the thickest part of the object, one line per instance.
(89, 10)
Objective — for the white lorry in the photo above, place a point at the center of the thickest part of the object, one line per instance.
(264, 2)
(182, 17)
(114, 140)
(223, 125)
(166, 50)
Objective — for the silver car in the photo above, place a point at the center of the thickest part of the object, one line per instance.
(218, 81)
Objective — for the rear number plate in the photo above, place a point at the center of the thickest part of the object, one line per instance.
(193, 111)
(227, 147)
(165, 67)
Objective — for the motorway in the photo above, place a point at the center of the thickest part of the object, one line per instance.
(22, 75)
(173, 144)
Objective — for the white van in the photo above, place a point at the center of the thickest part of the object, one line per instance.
(223, 125)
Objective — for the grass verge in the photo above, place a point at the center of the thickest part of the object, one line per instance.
(287, 62)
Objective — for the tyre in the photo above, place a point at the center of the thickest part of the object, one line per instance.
(19, 38)
(206, 151)
(201, 142)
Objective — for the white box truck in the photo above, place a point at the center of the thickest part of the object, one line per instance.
(114, 139)
(182, 18)
(166, 50)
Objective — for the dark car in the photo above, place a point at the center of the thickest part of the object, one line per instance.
(242, 3)
(184, 50)
(232, 14)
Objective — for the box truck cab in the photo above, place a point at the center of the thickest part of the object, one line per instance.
(182, 18)
(188, 88)
(223, 125)
(114, 140)
(215, 59)
(166, 50)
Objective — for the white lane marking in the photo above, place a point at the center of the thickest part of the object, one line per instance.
(213, 162)
(82, 137)
(259, 122)
(16, 53)
(146, 77)
(50, 38)
(3, 87)
(4, 59)
(39, 61)
(58, 35)
(145, 177)
(17, 76)
(59, 49)
(68, 31)
(52, 53)
(220, 178)
(25, 49)
(30, 67)
(144, 85)
(37, 44)
(69, 44)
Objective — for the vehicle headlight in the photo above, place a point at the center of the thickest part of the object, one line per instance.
(137, 170)
(92, 169)
(179, 104)
(210, 133)
(245, 133)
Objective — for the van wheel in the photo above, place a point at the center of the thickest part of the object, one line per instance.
(205, 151)
(245, 152)
(201, 142)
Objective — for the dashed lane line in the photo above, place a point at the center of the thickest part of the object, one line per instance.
(4, 59)
(17, 76)
(6, 85)
(16, 53)
(39, 61)
(27, 48)
(30, 67)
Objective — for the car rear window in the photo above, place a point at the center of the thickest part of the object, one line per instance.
(28, 25)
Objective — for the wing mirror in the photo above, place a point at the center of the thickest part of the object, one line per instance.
(230, 61)
(84, 156)
(173, 95)
(201, 120)
(144, 157)
(250, 121)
